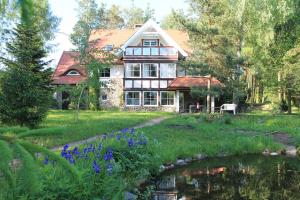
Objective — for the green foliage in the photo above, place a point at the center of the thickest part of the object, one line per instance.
(130, 164)
(25, 92)
(20, 168)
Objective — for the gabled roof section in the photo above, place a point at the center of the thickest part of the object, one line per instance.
(68, 61)
(151, 24)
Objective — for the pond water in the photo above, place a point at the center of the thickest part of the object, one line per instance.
(252, 177)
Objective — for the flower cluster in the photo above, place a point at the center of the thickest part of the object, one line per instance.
(98, 156)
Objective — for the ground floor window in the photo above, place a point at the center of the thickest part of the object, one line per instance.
(132, 98)
(150, 98)
(167, 98)
(104, 97)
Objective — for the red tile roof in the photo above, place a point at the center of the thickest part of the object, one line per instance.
(117, 37)
(187, 82)
(67, 62)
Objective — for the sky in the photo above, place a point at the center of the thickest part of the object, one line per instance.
(66, 10)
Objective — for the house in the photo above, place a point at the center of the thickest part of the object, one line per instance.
(146, 75)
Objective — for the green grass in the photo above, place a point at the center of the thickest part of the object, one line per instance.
(185, 136)
(59, 127)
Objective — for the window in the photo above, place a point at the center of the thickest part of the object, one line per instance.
(108, 47)
(167, 70)
(73, 73)
(180, 71)
(167, 98)
(150, 43)
(104, 97)
(132, 98)
(150, 70)
(137, 83)
(133, 70)
(150, 98)
(105, 73)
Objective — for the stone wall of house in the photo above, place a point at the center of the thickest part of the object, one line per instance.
(113, 89)
(114, 92)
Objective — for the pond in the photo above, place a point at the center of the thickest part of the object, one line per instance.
(252, 177)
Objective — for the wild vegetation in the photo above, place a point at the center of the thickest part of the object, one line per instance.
(251, 46)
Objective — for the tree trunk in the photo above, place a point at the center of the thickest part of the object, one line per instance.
(208, 98)
(289, 101)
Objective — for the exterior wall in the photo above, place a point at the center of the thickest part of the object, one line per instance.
(113, 89)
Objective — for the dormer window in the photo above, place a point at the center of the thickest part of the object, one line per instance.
(150, 43)
(108, 47)
(73, 73)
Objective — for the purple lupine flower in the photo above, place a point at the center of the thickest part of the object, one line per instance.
(63, 153)
(130, 142)
(132, 130)
(118, 136)
(104, 136)
(96, 167)
(108, 155)
(72, 161)
(100, 147)
(46, 160)
(66, 147)
(109, 168)
(124, 130)
(85, 150)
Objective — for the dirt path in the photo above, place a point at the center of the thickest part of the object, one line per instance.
(97, 137)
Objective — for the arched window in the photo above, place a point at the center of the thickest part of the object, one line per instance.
(73, 73)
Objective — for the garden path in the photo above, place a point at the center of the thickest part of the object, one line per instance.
(151, 122)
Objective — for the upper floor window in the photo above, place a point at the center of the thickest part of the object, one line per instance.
(105, 73)
(150, 70)
(150, 43)
(73, 73)
(133, 70)
(167, 70)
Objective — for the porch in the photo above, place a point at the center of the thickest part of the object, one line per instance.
(185, 102)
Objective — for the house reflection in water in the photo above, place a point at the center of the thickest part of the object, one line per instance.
(166, 188)
(239, 178)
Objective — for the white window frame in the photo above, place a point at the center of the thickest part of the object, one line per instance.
(150, 40)
(161, 70)
(126, 93)
(73, 70)
(156, 64)
(105, 72)
(161, 98)
(156, 99)
(128, 64)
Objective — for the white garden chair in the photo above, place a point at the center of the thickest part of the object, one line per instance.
(228, 107)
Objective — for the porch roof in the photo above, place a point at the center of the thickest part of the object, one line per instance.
(188, 82)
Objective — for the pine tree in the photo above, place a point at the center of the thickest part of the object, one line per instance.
(25, 84)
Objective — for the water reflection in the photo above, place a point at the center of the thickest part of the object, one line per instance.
(241, 178)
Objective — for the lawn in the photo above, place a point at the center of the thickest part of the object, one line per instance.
(185, 136)
(60, 128)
